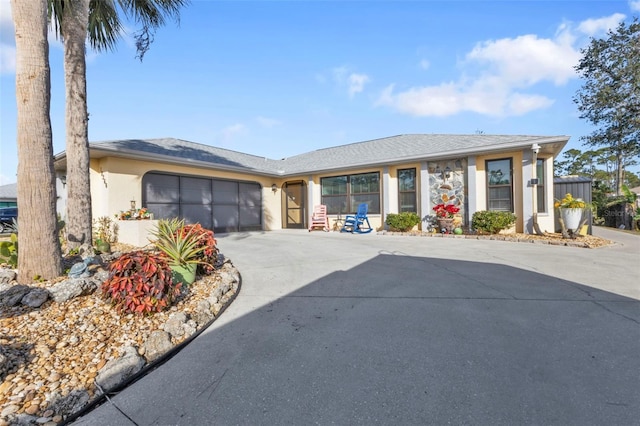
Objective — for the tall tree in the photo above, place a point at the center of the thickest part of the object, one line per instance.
(39, 254)
(73, 20)
(610, 96)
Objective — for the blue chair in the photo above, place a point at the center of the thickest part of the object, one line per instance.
(359, 223)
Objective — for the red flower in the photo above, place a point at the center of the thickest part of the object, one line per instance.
(445, 211)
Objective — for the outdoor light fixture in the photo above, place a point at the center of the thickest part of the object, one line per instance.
(63, 179)
(133, 204)
(274, 188)
(535, 148)
(446, 173)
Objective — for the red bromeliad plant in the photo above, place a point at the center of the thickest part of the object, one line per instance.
(208, 255)
(140, 282)
(445, 211)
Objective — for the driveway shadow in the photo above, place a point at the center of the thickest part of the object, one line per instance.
(407, 340)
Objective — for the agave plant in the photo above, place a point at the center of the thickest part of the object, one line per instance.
(180, 244)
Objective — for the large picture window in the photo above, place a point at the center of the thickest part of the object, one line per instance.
(343, 194)
(499, 185)
(407, 190)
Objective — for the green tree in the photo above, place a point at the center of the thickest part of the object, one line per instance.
(610, 96)
(39, 253)
(100, 19)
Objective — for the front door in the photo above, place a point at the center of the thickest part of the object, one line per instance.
(295, 204)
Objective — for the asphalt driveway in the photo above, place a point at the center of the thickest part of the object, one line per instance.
(348, 329)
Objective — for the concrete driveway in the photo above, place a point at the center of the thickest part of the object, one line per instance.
(348, 329)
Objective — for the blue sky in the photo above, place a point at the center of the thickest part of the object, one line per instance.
(279, 78)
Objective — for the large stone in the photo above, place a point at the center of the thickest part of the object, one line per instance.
(13, 295)
(70, 403)
(157, 345)
(7, 275)
(35, 298)
(73, 287)
(175, 324)
(117, 371)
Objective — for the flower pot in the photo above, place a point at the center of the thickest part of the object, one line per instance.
(571, 218)
(184, 274)
(103, 246)
(445, 225)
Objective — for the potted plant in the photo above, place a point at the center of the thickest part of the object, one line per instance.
(105, 232)
(181, 245)
(444, 216)
(571, 211)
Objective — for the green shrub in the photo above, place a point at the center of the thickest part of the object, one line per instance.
(140, 282)
(403, 222)
(492, 222)
(9, 251)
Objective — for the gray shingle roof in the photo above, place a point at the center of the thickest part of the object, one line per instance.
(9, 192)
(389, 150)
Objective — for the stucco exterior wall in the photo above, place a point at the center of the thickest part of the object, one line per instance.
(480, 188)
(115, 182)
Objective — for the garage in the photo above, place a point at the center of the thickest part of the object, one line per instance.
(219, 204)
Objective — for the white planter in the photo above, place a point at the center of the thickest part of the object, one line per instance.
(136, 232)
(571, 218)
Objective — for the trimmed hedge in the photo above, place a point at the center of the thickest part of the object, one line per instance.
(492, 222)
(403, 222)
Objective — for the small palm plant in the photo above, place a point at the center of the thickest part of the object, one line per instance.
(179, 243)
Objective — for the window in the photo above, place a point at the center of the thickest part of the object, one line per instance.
(540, 187)
(499, 185)
(407, 190)
(343, 194)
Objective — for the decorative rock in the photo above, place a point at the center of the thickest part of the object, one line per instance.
(157, 345)
(175, 324)
(7, 275)
(71, 288)
(9, 409)
(32, 409)
(203, 314)
(71, 403)
(78, 270)
(35, 298)
(13, 295)
(118, 370)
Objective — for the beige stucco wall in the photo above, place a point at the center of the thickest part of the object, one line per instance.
(481, 184)
(117, 181)
(546, 219)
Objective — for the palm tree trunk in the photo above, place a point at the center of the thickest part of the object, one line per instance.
(73, 28)
(39, 254)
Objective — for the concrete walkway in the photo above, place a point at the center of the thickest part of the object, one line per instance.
(336, 328)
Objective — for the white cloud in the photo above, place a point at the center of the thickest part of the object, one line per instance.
(527, 59)
(267, 122)
(425, 64)
(452, 98)
(594, 27)
(634, 5)
(354, 82)
(499, 77)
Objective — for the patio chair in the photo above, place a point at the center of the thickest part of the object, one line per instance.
(319, 218)
(358, 224)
